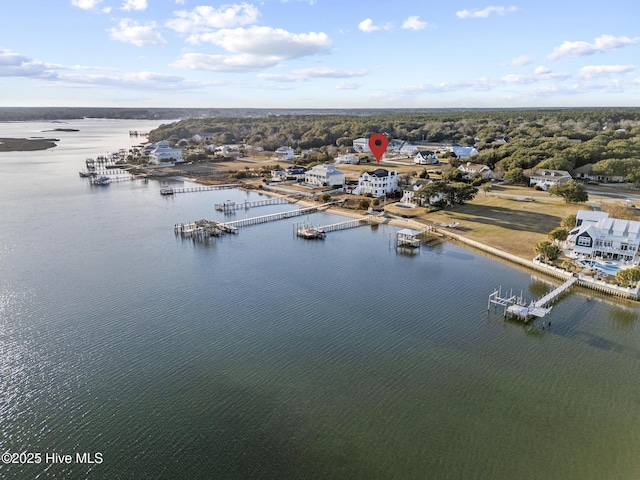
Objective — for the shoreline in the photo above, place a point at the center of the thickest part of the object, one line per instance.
(603, 287)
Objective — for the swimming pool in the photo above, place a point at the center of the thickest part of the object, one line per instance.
(608, 266)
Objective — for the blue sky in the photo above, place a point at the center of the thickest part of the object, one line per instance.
(319, 53)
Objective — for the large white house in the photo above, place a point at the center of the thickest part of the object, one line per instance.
(361, 145)
(163, 154)
(426, 157)
(378, 183)
(284, 153)
(475, 170)
(545, 179)
(324, 176)
(463, 152)
(598, 236)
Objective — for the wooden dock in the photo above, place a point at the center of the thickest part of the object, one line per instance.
(200, 188)
(231, 206)
(368, 220)
(516, 306)
(551, 296)
(273, 217)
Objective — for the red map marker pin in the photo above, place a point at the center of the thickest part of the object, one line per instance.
(378, 145)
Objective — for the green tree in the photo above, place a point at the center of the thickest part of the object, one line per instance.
(453, 175)
(571, 191)
(628, 276)
(547, 251)
(515, 176)
(559, 234)
(365, 204)
(486, 188)
(569, 221)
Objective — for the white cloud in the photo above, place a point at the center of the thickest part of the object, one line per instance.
(225, 63)
(304, 74)
(134, 5)
(267, 41)
(485, 12)
(541, 70)
(85, 4)
(593, 71)
(367, 26)
(601, 44)
(279, 77)
(516, 79)
(16, 65)
(329, 73)
(203, 18)
(348, 85)
(414, 23)
(136, 81)
(520, 61)
(130, 31)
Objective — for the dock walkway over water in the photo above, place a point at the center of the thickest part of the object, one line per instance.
(551, 296)
(230, 206)
(359, 222)
(275, 216)
(203, 229)
(201, 188)
(517, 307)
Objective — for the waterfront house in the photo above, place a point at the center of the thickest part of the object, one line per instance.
(278, 175)
(377, 183)
(295, 172)
(545, 179)
(163, 154)
(598, 236)
(426, 157)
(324, 176)
(474, 170)
(407, 193)
(284, 153)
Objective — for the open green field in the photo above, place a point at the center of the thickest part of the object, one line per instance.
(510, 218)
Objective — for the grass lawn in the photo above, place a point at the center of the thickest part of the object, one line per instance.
(504, 219)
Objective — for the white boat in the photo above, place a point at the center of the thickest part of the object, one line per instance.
(101, 181)
(310, 233)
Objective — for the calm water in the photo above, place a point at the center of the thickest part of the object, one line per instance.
(263, 356)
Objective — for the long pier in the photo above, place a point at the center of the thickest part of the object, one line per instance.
(230, 206)
(200, 188)
(273, 217)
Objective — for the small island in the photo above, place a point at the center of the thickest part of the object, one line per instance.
(26, 144)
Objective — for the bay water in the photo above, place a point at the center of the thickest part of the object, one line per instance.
(265, 356)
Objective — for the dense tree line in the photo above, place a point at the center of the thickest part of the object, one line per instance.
(509, 140)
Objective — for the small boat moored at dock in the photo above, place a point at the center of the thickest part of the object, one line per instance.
(100, 181)
(310, 233)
